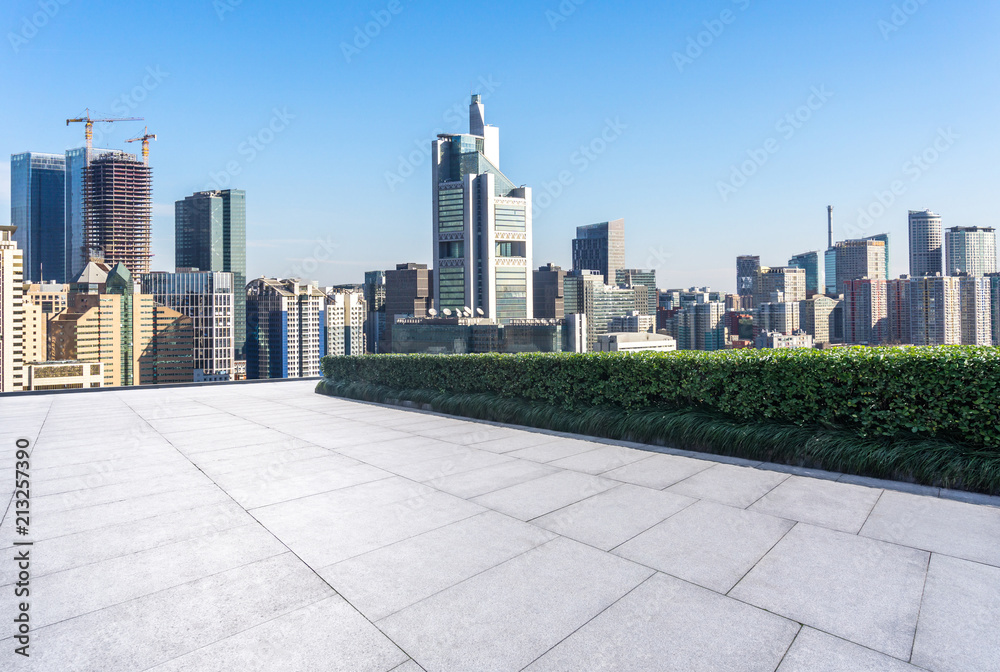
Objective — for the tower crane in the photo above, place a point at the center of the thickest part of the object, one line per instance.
(144, 138)
(89, 128)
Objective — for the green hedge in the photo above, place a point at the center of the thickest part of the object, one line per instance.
(950, 393)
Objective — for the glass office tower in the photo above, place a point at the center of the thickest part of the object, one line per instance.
(810, 262)
(482, 226)
(37, 209)
(210, 234)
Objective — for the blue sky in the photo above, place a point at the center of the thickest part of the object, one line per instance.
(671, 115)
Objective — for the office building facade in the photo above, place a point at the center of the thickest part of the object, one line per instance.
(549, 288)
(284, 328)
(481, 226)
(858, 259)
(600, 247)
(812, 264)
(817, 317)
(884, 239)
(747, 269)
(374, 291)
(409, 292)
(585, 293)
(865, 311)
(926, 243)
(208, 299)
(11, 312)
(118, 192)
(37, 209)
(787, 281)
(645, 277)
(210, 234)
(971, 250)
(343, 322)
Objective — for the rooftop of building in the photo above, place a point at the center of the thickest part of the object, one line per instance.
(264, 527)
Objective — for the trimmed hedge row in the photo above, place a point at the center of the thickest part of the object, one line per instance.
(949, 392)
(910, 459)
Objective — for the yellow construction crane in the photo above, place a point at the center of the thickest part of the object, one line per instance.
(144, 138)
(89, 129)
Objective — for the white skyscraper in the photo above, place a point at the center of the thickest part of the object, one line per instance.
(481, 226)
(971, 250)
(11, 312)
(926, 243)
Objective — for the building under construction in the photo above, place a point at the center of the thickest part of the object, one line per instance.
(118, 192)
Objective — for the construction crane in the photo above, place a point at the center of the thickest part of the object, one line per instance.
(144, 138)
(89, 128)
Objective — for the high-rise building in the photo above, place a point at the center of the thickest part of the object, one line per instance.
(210, 234)
(830, 272)
(549, 287)
(631, 277)
(208, 299)
(816, 317)
(108, 321)
(284, 332)
(343, 323)
(935, 310)
(865, 311)
(747, 269)
(77, 253)
(702, 326)
(925, 243)
(789, 281)
(374, 290)
(118, 192)
(633, 322)
(11, 312)
(994, 279)
(884, 238)
(482, 226)
(37, 209)
(777, 317)
(409, 292)
(600, 247)
(971, 250)
(898, 311)
(976, 310)
(810, 262)
(585, 293)
(858, 259)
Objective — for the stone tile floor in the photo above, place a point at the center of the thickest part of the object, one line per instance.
(264, 527)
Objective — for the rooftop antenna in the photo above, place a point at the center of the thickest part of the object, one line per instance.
(829, 226)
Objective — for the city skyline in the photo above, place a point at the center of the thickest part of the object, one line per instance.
(854, 110)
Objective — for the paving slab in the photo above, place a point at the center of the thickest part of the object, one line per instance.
(540, 496)
(729, 484)
(710, 544)
(601, 459)
(658, 471)
(614, 516)
(940, 525)
(504, 618)
(825, 503)
(959, 627)
(490, 479)
(668, 625)
(384, 581)
(815, 651)
(859, 589)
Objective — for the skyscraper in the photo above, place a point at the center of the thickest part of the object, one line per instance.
(858, 259)
(629, 277)
(208, 299)
(830, 272)
(925, 243)
(37, 209)
(976, 310)
(210, 234)
(865, 311)
(935, 310)
(375, 320)
(118, 192)
(585, 293)
(77, 253)
(897, 304)
(971, 250)
(408, 293)
(481, 226)
(550, 297)
(813, 266)
(884, 238)
(343, 322)
(747, 268)
(600, 247)
(284, 335)
(11, 313)
(788, 280)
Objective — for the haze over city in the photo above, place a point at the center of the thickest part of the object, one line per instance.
(713, 130)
